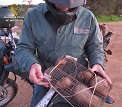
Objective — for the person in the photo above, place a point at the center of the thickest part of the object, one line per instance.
(54, 29)
(104, 29)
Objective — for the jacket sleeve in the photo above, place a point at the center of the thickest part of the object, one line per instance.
(24, 53)
(94, 45)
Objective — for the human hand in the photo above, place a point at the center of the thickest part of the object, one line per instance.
(36, 75)
(98, 68)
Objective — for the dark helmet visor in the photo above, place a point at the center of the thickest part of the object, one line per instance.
(69, 3)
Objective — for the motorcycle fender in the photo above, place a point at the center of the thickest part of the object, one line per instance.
(45, 100)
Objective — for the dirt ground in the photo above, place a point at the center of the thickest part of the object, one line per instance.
(113, 69)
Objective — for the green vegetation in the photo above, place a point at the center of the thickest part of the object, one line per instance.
(104, 10)
(111, 18)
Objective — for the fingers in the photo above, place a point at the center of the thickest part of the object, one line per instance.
(36, 75)
(108, 79)
(99, 69)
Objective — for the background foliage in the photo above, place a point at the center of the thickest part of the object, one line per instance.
(105, 10)
(105, 7)
(99, 7)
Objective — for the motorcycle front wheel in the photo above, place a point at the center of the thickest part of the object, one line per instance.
(8, 92)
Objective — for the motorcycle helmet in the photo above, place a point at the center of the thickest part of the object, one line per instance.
(64, 16)
(7, 17)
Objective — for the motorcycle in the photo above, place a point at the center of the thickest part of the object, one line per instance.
(8, 86)
(106, 39)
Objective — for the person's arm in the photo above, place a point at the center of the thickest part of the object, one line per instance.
(94, 45)
(25, 53)
(95, 51)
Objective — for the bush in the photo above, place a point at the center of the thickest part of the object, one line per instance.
(105, 7)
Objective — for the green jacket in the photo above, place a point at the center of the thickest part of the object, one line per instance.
(78, 39)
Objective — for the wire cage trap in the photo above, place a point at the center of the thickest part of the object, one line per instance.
(77, 84)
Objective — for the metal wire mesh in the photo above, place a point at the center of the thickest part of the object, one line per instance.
(76, 84)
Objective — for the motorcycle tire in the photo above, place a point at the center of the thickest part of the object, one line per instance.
(9, 92)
